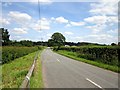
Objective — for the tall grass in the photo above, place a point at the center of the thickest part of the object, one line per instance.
(36, 80)
(13, 73)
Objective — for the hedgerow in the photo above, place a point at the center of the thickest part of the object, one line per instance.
(10, 53)
(107, 54)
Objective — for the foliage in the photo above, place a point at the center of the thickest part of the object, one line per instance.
(26, 43)
(13, 73)
(106, 54)
(57, 39)
(10, 53)
(74, 56)
(5, 36)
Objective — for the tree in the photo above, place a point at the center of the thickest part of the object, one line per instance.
(5, 36)
(26, 43)
(113, 44)
(57, 39)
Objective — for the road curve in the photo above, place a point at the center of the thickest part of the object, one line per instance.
(62, 72)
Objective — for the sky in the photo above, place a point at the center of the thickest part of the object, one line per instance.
(95, 22)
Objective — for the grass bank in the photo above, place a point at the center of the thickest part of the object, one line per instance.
(36, 79)
(73, 55)
(13, 73)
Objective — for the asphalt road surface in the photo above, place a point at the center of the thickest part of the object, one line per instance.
(62, 72)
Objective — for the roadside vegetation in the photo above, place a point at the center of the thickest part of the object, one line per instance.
(13, 73)
(36, 80)
(10, 53)
(102, 56)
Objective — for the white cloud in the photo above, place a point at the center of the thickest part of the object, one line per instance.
(77, 23)
(112, 19)
(69, 33)
(113, 31)
(101, 38)
(4, 21)
(42, 24)
(105, 7)
(96, 19)
(21, 18)
(96, 28)
(49, 34)
(19, 31)
(68, 25)
(61, 20)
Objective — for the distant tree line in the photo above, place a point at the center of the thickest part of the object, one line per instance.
(57, 39)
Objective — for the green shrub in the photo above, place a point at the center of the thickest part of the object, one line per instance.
(104, 54)
(10, 53)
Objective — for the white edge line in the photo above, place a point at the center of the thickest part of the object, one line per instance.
(58, 60)
(93, 83)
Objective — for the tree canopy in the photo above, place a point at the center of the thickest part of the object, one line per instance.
(57, 39)
(5, 36)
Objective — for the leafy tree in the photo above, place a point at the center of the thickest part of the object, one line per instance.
(57, 39)
(50, 42)
(113, 44)
(5, 36)
(26, 43)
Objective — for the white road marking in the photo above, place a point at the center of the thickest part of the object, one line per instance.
(58, 60)
(93, 83)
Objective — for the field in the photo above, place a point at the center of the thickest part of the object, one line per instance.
(102, 56)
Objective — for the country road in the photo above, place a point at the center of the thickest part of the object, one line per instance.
(62, 72)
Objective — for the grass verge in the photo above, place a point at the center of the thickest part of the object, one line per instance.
(14, 72)
(36, 80)
(73, 55)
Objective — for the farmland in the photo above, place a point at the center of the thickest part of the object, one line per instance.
(102, 56)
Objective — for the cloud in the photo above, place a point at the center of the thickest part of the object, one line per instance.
(77, 23)
(113, 31)
(19, 31)
(101, 38)
(4, 21)
(96, 28)
(42, 24)
(104, 7)
(21, 18)
(96, 19)
(61, 20)
(69, 33)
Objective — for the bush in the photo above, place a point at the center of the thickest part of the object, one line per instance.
(10, 53)
(104, 54)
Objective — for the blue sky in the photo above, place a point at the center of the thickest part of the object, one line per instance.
(94, 22)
